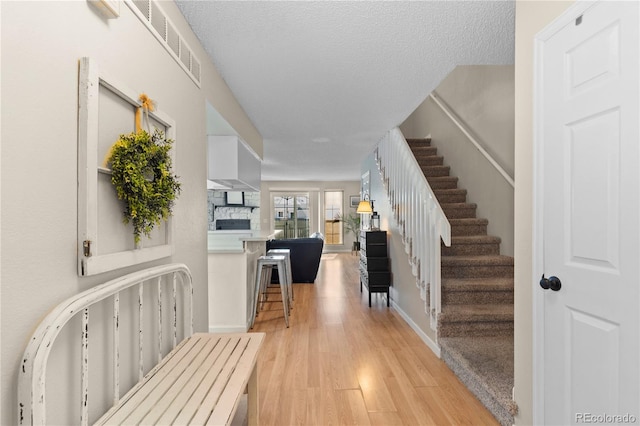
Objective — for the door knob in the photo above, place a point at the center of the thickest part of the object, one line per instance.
(551, 283)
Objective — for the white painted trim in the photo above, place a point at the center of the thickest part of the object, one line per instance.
(110, 9)
(538, 359)
(456, 120)
(91, 79)
(228, 329)
(435, 348)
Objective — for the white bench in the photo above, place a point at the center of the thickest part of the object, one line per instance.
(200, 381)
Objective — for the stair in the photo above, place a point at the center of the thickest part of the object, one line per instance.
(475, 327)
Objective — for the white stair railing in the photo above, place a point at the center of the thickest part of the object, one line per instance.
(418, 215)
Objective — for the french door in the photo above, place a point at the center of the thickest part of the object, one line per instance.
(291, 215)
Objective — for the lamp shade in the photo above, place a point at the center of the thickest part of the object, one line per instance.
(364, 207)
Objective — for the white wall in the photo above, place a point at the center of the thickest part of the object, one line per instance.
(531, 17)
(403, 291)
(316, 193)
(41, 45)
(482, 97)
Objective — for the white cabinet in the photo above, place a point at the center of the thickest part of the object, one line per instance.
(232, 164)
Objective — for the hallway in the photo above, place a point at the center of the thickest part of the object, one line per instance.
(341, 362)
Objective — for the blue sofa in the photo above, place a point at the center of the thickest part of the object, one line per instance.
(305, 257)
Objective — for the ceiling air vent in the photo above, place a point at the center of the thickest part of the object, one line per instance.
(151, 14)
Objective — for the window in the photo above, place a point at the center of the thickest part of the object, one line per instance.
(333, 211)
(291, 215)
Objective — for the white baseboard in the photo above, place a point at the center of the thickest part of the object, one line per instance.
(228, 329)
(423, 336)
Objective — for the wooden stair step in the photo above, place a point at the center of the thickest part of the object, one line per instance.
(435, 171)
(451, 195)
(477, 266)
(463, 291)
(472, 245)
(459, 210)
(469, 226)
(442, 182)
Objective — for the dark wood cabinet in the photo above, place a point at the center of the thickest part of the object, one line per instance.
(374, 263)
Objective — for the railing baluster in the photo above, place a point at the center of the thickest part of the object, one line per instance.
(190, 296)
(140, 332)
(432, 275)
(159, 286)
(418, 215)
(116, 348)
(175, 314)
(84, 412)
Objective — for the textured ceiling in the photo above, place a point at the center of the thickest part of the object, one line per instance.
(323, 81)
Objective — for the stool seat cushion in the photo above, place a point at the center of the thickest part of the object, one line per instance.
(305, 257)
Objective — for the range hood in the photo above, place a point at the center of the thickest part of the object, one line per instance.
(232, 165)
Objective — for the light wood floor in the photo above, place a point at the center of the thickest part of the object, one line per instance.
(341, 362)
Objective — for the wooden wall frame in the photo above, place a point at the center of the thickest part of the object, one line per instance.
(90, 259)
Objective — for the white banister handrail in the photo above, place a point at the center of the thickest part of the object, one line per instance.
(454, 118)
(33, 366)
(418, 215)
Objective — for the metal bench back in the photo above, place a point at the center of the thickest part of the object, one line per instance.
(33, 368)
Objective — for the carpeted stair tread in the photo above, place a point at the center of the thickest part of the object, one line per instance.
(451, 195)
(465, 245)
(429, 160)
(469, 221)
(459, 210)
(475, 239)
(484, 266)
(466, 291)
(477, 284)
(435, 171)
(424, 151)
(468, 226)
(485, 365)
(414, 142)
(442, 182)
(496, 260)
(482, 312)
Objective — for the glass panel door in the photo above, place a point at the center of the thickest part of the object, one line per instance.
(333, 203)
(291, 215)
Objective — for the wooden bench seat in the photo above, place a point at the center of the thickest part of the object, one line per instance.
(200, 382)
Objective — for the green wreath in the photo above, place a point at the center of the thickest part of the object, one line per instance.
(142, 176)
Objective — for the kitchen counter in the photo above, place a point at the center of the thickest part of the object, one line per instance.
(232, 269)
(233, 241)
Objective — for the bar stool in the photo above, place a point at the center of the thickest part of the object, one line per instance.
(287, 253)
(264, 266)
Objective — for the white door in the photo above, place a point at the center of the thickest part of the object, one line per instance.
(589, 156)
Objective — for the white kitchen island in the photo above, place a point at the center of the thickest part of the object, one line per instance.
(232, 269)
